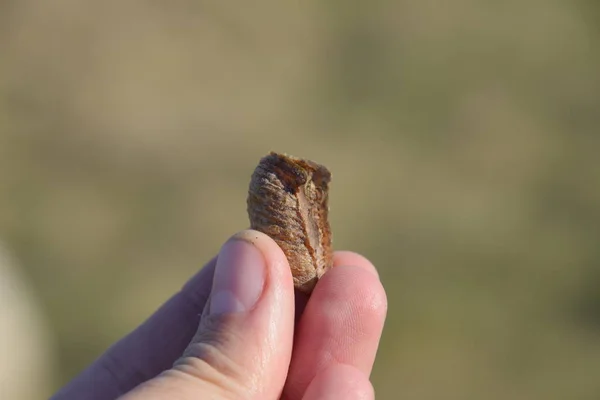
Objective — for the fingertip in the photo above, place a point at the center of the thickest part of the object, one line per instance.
(345, 257)
(357, 287)
(342, 323)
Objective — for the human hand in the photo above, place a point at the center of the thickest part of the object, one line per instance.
(230, 334)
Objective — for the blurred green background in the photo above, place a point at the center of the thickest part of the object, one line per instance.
(463, 138)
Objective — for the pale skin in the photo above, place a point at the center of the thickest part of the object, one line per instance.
(196, 348)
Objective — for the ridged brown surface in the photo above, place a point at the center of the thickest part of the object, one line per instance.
(288, 200)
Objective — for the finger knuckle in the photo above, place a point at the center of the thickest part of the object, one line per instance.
(210, 357)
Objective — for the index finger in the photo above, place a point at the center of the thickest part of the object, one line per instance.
(341, 324)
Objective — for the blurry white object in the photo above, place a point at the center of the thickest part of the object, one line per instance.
(25, 362)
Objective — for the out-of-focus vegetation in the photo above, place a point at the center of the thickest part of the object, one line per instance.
(463, 137)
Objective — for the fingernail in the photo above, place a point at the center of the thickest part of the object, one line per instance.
(239, 278)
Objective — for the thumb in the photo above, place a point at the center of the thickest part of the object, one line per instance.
(243, 346)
